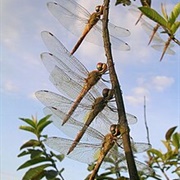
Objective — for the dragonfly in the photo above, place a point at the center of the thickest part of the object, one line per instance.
(158, 43)
(99, 114)
(95, 146)
(61, 59)
(81, 23)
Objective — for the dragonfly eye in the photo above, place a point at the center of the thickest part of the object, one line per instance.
(102, 67)
(114, 130)
(105, 92)
(99, 9)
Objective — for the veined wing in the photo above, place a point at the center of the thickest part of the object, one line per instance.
(84, 152)
(63, 55)
(72, 20)
(58, 102)
(72, 127)
(82, 13)
(51, 99)
(72, 89)
(139, 147)
(159, 42)
(69, 64)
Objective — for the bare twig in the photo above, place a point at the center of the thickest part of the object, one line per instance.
(124, 129)
(145, 121)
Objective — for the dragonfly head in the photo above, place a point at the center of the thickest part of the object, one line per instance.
(99, 9)
(108, 93)
(114, 129)
(101, 67)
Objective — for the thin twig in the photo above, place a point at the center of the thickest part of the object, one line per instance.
(145, 121)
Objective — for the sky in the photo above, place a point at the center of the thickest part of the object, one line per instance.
(22, 73)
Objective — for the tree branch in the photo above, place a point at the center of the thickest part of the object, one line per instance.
(124, 129)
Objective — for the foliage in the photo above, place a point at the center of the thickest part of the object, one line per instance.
(43, 162)
(169, 161)
(169, 23)
(160, 162)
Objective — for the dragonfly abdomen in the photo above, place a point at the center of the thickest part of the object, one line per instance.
(75, 104)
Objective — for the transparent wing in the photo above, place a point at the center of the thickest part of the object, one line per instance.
(159, 43)
(161, 49)
(68, 63)
(52, 99)
(139, 147)
(112, 114)
(74, 7)
(72, 127)
(88, 153)
(84, 152)
(140, 166)
(69, 15)
(63, 56)
(70, 19)
(72, 89)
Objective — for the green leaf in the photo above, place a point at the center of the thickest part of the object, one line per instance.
(23, 153)
(33, 162)
(33, 173)
(176, 140)
(28, 128)
(44, 119)
(170, 132)
(174, 14)
(31, 143)
(124, 2)
(155, 152)
(175, 27)
(154, 15)
(35, 153)
(167, 145)
(43, 125)
(51, 174)
(164, 12)
(31, 122)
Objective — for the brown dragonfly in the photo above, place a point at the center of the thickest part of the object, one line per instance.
(81, 23)
(61, 62)
(94, 146)
(99, 111)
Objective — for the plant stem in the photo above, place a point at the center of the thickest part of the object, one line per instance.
(118, 96)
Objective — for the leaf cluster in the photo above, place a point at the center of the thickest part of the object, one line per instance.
(41, 163)
(168, 161)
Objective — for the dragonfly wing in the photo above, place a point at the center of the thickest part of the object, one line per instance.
(95, 36)
(139, 147)
(117, 31)
(52, 99)
(72, 127)
(140, 166)
(161, 48)
(58, 50)
(67, 18)
(84, 152)
(50, 61)
(67, 85)
(74, 7)
(148, 28)
(113, 115)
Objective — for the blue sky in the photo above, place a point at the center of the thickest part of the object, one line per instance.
(22, 73)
